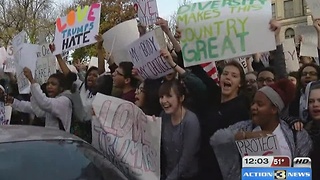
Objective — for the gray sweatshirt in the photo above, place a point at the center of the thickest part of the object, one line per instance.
(180, 144)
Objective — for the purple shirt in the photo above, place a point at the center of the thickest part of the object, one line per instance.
(129, 96)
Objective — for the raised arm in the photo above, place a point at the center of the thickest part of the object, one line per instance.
(101, 61)
(165, 28)
(64, 68)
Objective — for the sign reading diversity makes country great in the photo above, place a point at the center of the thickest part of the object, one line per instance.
(218, 30)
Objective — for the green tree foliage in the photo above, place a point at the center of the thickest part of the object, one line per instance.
(113, 12)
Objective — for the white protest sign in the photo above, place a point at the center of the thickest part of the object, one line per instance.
(28, 58)
(3, 55)
(145, 56)
(45, 65)
(314, 6)
(10, 62)
(291, 57)
(94, 62)
(127, 137)
(219, 30)
(118, 38)
(264, 146)
(159, 34)
(77, 29)
(309, 41)
(5, 114)
(147, 11)
(18, 41)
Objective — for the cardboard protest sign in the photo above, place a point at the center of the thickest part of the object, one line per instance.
(9, 64)
(145, 56)
(127, 137)
(94, 62)
(218, 30)
(5, 114)
(291, 57)
(309, 41)
(45, 65)
(118, 38)
(314, 6)
(264, 146)
(147, 11)
(18, 41)
(3, 55)
(27, 58)
(78, 28)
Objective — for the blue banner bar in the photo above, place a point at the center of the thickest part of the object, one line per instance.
(276, 173)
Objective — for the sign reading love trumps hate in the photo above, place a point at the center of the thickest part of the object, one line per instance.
(218, 30)
(127, 137)
(77, 29)
(263, 146)
(146, 58)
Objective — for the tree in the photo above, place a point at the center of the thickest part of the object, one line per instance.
(36, 17)
(173, 18)
(113, 12)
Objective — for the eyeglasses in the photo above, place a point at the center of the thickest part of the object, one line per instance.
(139, 90)
(311, 73)
(267, 80)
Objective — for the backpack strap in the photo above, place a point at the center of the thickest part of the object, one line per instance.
(81, 86)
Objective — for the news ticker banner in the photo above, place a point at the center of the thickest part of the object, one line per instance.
(289, 173)
(276, 167)
(275, 161)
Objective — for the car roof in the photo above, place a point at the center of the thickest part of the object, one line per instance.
(14, 133)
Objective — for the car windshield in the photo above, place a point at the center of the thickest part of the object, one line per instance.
(54, 160)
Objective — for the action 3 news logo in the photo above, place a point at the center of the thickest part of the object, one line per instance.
(280, 174)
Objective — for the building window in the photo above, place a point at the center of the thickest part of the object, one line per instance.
(288, 9)
(289, 33)
(273, 11)
(304, 6)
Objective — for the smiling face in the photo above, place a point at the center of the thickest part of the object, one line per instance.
(314, 104)
(309, 74)
(230, 81)
(171, 102)
(262, 109)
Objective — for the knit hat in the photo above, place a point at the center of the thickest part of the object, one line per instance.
(281, 93)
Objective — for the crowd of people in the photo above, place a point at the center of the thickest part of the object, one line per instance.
(201, 119)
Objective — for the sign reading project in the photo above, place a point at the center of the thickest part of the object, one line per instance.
(264, 146)
(219, 30)
(77, 29)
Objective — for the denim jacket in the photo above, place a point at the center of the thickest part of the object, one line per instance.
(227, 154)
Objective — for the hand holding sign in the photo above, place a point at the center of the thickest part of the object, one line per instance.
(275, 26)
(163, 24)
(27, 72)
(316, 24)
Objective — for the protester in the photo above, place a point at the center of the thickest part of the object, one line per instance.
(56, 108)
(180, 139)
(267, 104)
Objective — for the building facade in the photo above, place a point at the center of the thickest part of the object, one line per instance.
(290, 13)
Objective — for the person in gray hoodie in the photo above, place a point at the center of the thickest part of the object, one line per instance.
(265, 108)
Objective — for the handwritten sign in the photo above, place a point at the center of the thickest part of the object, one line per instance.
(9, 64)
(309, 41)
(147, 11)
(45, 65)
(264, 146)
(219, 30)
(291, 57)
(115, 41)
(78, 28)
(127, 137)
(18, 41)
(314, 6)
(145, 56)
(5, 114)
